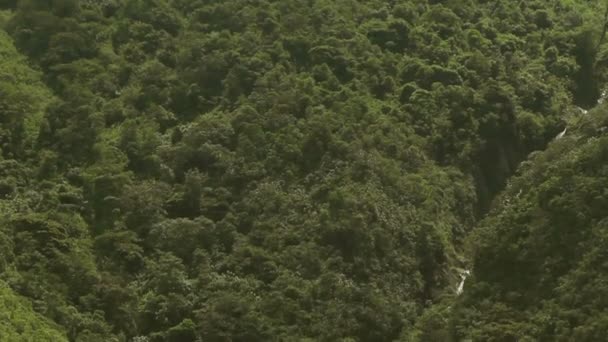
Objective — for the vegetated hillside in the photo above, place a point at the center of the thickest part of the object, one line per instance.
(19, 322)
(269, 170)
(540, 257)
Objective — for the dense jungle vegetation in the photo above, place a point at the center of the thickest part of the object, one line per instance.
(303, 170)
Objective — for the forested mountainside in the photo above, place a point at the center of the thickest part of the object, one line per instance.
(260, 170)
(541, 257)
(18, 322)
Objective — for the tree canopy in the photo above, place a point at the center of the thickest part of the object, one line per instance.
(182, 171)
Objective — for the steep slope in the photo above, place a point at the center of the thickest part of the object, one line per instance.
(540, 257)
(46, 253)
(284, 170)
(23, 102)
(20, 323)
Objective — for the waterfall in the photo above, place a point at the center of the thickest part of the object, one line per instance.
(561, 134)
(583, 111)
(602, 96)
(463, 276)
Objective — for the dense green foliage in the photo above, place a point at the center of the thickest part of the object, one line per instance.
(18, 322)
(179, 170)
(540, 257)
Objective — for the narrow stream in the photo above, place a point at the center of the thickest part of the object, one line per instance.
(465, 273)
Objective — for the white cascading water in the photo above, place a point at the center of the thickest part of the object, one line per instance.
(561, 134)
(465, 273)
(463, 276)
(583, 111)
(603, 96)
